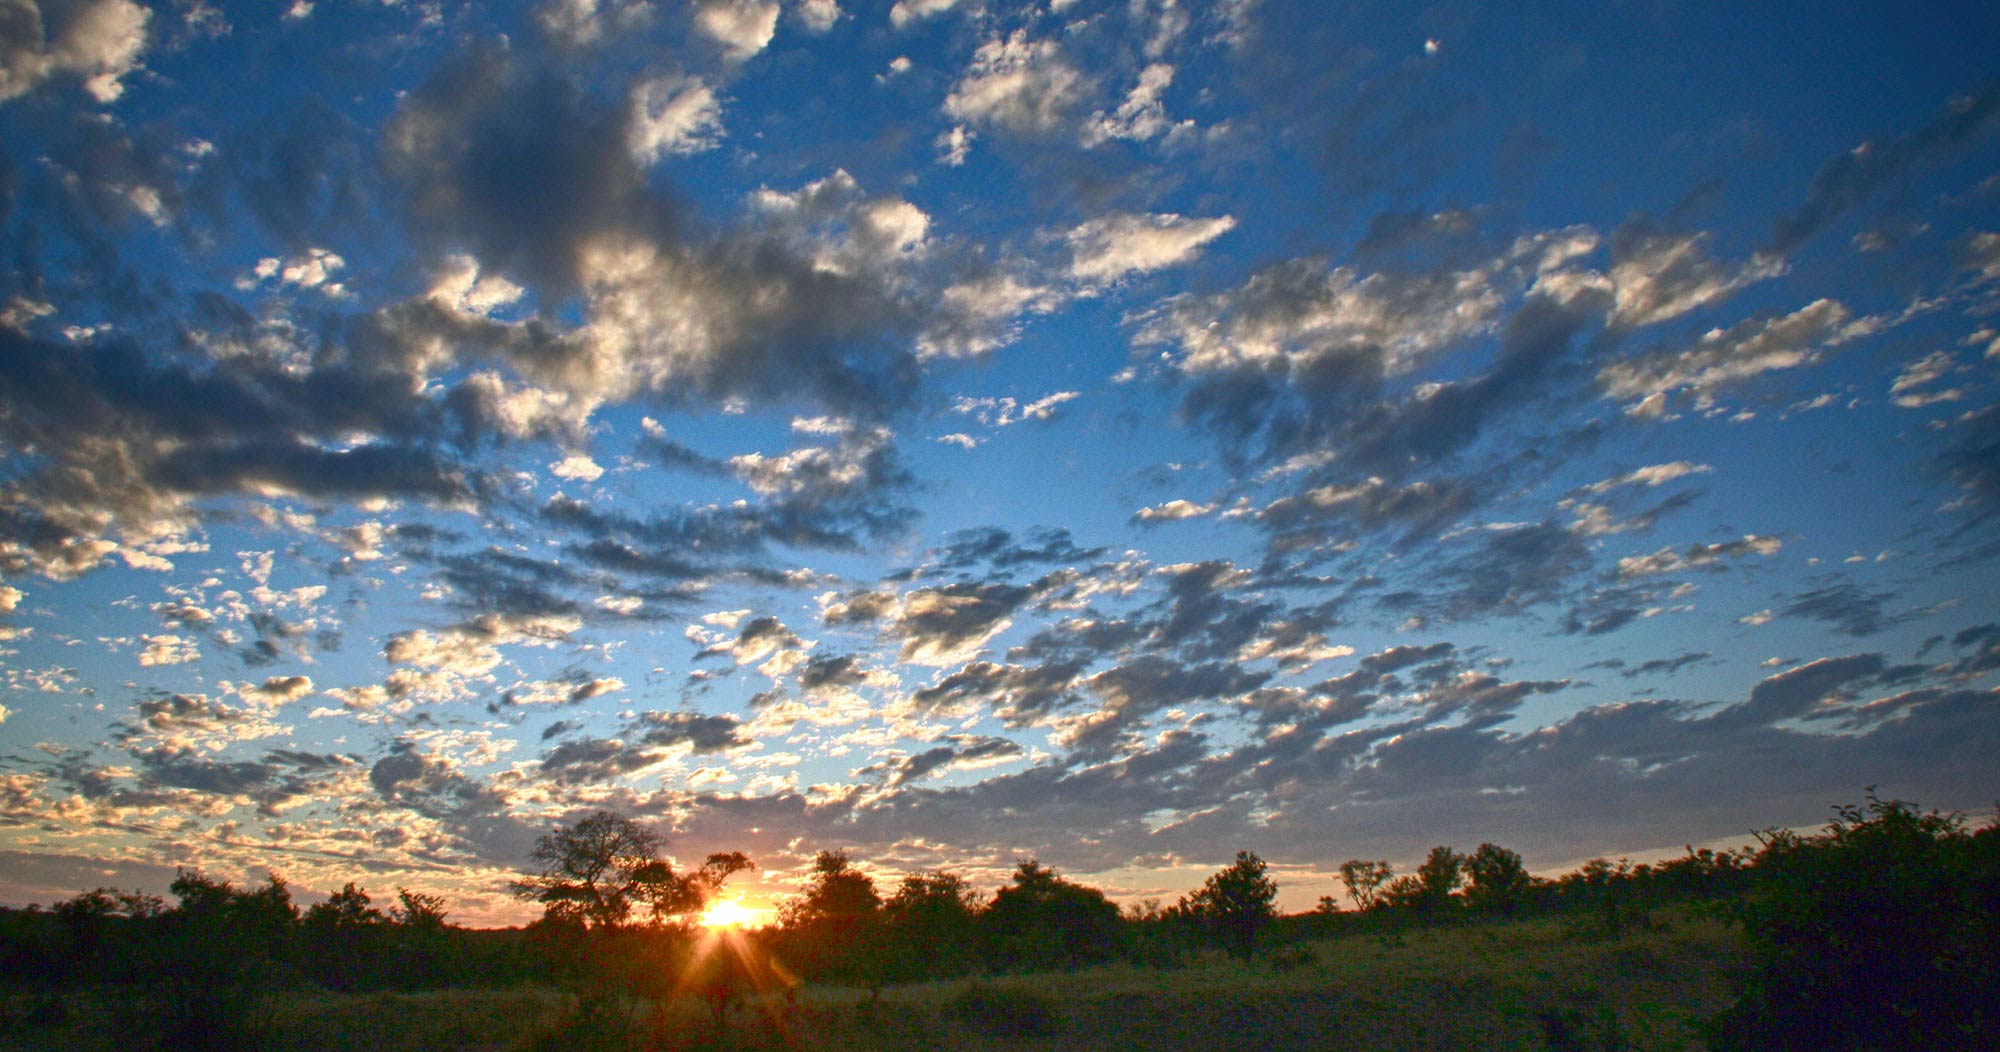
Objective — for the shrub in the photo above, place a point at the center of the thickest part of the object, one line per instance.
(1882, 932)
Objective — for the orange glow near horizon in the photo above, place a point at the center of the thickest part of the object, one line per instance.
(730, 913)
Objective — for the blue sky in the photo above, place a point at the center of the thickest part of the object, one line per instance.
(1121, 433)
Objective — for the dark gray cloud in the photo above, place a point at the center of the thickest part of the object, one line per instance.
(511, 160)
(1020, 694)
(1666, 666)
(1499, 571)
(132, 441)
(471, 812)
(1001, 550)
(1851, 177)
(1132, 691)
(958, 751)
(705, 733)
(1847, 608)
(649, 741)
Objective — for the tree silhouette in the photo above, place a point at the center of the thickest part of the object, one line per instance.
(600, 868)
(836, 892)
(1041, 920)
(1236, 903)
(1364, 881)
(930, 921)
(830, 928)
(1497, 881)
(342, 936)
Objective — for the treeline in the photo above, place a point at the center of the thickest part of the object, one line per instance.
(1883, 922)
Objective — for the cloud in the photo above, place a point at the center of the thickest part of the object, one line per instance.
(134, 443)
(1005, 411)
(99, 41)
(1110, 247)
(672, 115)
(819, 15)
(1850, 610)
(1141, 115)
(947, 624)
(962, 752)
(1657, 276)
(1697, 556)
(1020, 694)
(577, 467)
(575, 215)
(472, 647)
(277, 690)
(1506, 570)
(741, 28)
(1852, 176)
(1018, 84)
(583, 23)
(1419, 509)
(1650, 475)
(1135, 689)
(1725, 356)
(1173, 511)
(907, 11)
(169, 650)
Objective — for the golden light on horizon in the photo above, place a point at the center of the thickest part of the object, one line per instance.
(730, 913)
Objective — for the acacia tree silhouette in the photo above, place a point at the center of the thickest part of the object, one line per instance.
(599, 868)
(1497, 880)
(1364, 881)
(1237, 902)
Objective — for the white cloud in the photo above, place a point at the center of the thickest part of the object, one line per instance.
(1141, 116)
(1656, 276)
(1110, 247)
(314, 270)
(580, 23)
(672, 115)
(1651, 475)
(954, 145)
(1723, 356)
(907, 11)
(1019, 84)
(741, 27)
(1174, 510)
(460, 286)
(276, 690)
(819, 15)
(1005, 412)
(980, 315)
(169, 650)
(1908, 392)
(577, 466)
(99, 41)
(1667, 560)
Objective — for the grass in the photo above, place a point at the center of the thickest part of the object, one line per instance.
(1527, 985)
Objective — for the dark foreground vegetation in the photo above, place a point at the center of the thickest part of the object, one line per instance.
(1880, 932)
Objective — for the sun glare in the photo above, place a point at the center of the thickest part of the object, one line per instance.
(728, 913)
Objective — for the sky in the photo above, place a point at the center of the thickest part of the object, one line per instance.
(1116, 432)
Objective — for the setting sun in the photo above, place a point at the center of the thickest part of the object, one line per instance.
(729, 913)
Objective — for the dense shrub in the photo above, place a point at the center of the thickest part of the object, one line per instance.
(1878, 933)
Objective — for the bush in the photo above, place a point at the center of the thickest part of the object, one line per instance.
(1882, 932)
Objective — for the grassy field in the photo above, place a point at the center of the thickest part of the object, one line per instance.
(1535, 984)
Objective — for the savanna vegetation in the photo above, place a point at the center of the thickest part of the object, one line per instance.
(1881, 931)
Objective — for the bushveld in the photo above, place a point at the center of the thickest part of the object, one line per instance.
(1537, 984)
